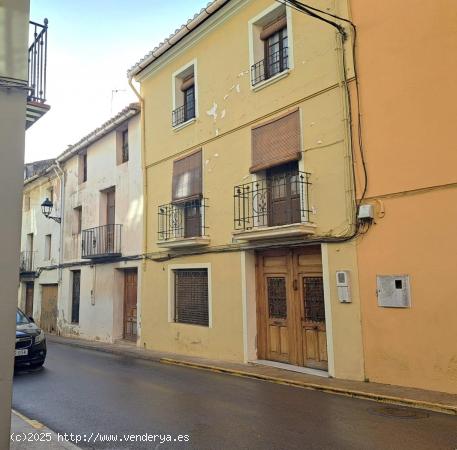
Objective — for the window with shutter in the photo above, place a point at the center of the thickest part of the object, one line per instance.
(191, 296)
(187, 178)
(276, 142)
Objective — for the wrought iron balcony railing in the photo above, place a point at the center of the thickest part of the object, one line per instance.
(183, 220)
(183, 113)
(272, 201)
(101, 242)
(38, 53)
(27, 262)
(266, 68)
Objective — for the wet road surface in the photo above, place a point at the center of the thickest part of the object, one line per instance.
(89, 392)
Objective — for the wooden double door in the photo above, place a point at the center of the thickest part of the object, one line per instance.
(290, 307)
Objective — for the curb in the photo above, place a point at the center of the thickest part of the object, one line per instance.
(419, 404)
(43, 429)
(380, 398)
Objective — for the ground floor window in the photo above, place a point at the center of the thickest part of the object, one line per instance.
(76, 287)
(191, 296)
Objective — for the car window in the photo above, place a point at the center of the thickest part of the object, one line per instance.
(21, 319)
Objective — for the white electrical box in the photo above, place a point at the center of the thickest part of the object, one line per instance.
(343, 286)
(393, 291)
(366, 212)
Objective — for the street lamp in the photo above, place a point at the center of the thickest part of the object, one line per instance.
(46, 208)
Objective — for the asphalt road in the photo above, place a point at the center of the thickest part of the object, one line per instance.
(89, 392)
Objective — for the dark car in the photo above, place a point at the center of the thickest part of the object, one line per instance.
(30, 342)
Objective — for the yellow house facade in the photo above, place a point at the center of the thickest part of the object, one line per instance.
(249, 191)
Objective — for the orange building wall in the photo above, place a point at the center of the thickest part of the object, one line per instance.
(407, 61)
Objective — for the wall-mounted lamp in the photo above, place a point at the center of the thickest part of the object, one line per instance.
(46, 208)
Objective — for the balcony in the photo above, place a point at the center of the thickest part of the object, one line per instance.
(101, 242)
(183, 114)
(37, 67)
(183, 224)
(273, 208)
(27, 263)
(270, 67)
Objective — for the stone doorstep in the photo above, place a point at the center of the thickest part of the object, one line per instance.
(384, 393)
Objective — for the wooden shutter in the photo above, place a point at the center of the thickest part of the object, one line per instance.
(276, 142)
(191, 296)
(273, 27)
(187, 178)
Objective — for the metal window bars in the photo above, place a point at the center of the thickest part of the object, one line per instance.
(182, 220)
(183, 113)
(37, 62)
(275, 63)
(27, 262)
(103, 241)
(272, 201)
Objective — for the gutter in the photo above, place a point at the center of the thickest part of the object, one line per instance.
(112, 124)
(175, 37)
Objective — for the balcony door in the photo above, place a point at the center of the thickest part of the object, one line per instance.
(283, 195)
(110, 219)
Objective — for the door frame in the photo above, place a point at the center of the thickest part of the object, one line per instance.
(261, 305)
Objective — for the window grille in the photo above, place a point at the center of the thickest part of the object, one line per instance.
(191, 296)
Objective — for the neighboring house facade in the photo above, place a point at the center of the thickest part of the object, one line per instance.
(407, 260)
(40, 243)
(22, 102)
(250, 199)
(88, 287)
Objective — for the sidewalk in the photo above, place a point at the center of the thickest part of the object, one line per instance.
(37, 436)
(416, 398)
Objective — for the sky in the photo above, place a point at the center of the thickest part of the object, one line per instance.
(91, 45)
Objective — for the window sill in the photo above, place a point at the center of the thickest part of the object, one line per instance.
(278, 232)
(184, 242)
(185, 124)
(272, 80)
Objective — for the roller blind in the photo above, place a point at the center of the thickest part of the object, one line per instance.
(273, 28)
(187, 177)
(276, 142)
(187, 83)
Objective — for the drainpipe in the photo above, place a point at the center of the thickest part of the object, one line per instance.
(145, 197)
(61, 175)
(143, 168)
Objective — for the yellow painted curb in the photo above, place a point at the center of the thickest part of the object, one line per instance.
(33, 423)
(420, 404)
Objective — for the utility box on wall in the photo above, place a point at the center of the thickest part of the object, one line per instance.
(393, 291)
(342, 284)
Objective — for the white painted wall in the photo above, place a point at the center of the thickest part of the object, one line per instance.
(102, 288)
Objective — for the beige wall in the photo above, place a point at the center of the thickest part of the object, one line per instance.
(13, 58)
(408, 96)
(228, 108)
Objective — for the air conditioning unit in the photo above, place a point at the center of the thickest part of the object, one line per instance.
(343, 286)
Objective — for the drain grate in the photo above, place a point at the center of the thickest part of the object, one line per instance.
(398, 412)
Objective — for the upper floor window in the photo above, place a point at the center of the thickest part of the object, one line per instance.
(184, 95)
(125, 146)
(26, 202)
(82, 167)
(269, 49)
